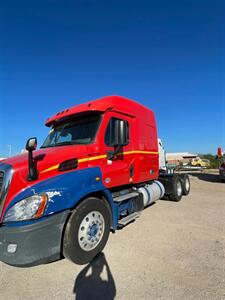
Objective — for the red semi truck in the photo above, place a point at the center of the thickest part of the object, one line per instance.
(96, 171)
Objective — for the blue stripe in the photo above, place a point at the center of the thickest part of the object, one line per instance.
(67, 190)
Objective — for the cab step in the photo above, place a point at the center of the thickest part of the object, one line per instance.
(128, 218)
(125, 197)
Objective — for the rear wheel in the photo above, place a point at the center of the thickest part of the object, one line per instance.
(177, 192)
(87, 230)
(186, 185)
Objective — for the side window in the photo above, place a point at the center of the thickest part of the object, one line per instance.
(110, 138)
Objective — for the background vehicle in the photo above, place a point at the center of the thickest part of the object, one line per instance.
(96, 171)
(198, 162)
(222, 172)
(171, 178)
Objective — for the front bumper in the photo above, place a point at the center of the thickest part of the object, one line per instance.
(37, 243)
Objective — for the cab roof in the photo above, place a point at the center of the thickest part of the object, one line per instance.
(116, 103)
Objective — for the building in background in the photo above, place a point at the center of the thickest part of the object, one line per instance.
(178, 158)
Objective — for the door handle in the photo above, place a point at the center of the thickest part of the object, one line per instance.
(131, 171)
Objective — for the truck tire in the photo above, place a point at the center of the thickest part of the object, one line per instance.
(186, 185)
(177, 192)
(87, 230)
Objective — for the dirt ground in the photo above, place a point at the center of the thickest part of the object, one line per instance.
(173, 251)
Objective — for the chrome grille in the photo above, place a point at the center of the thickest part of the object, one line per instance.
(1, 180)
(5, 180)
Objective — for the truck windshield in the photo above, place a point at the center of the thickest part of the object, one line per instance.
(77, 131)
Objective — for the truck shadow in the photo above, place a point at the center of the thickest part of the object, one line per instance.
(206, 177)
(93, 286)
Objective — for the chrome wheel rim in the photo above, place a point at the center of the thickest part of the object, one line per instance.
(179, 188)
(91, 230)
(187, 185)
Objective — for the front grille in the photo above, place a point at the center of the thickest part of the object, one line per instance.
(5, 180)
(1, 180)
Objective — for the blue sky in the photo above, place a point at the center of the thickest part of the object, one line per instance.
(168, 55)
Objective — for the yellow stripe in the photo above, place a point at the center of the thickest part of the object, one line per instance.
(51, 168)
(140, 152)
(87, 159)
(81, 160)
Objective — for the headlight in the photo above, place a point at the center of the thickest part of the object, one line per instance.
(29, 208)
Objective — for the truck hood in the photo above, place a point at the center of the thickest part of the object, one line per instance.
(47, 157)
(48, 160)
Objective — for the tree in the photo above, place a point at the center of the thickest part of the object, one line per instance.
(214, 160)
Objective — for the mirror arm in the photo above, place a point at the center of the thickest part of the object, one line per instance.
(32, 168)
(112, 153)
(117, 150)
(32, 164)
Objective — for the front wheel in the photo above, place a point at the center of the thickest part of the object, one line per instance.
(87, 230)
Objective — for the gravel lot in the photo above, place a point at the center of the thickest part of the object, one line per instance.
(173, 251)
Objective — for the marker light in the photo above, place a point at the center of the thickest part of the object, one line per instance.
(30, 208)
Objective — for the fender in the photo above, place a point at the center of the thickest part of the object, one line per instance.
(66, 190)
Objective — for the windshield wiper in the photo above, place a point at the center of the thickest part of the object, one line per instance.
(63, 144)
(47, 146)
(58, 144)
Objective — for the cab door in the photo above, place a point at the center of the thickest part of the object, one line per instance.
(117, 169)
